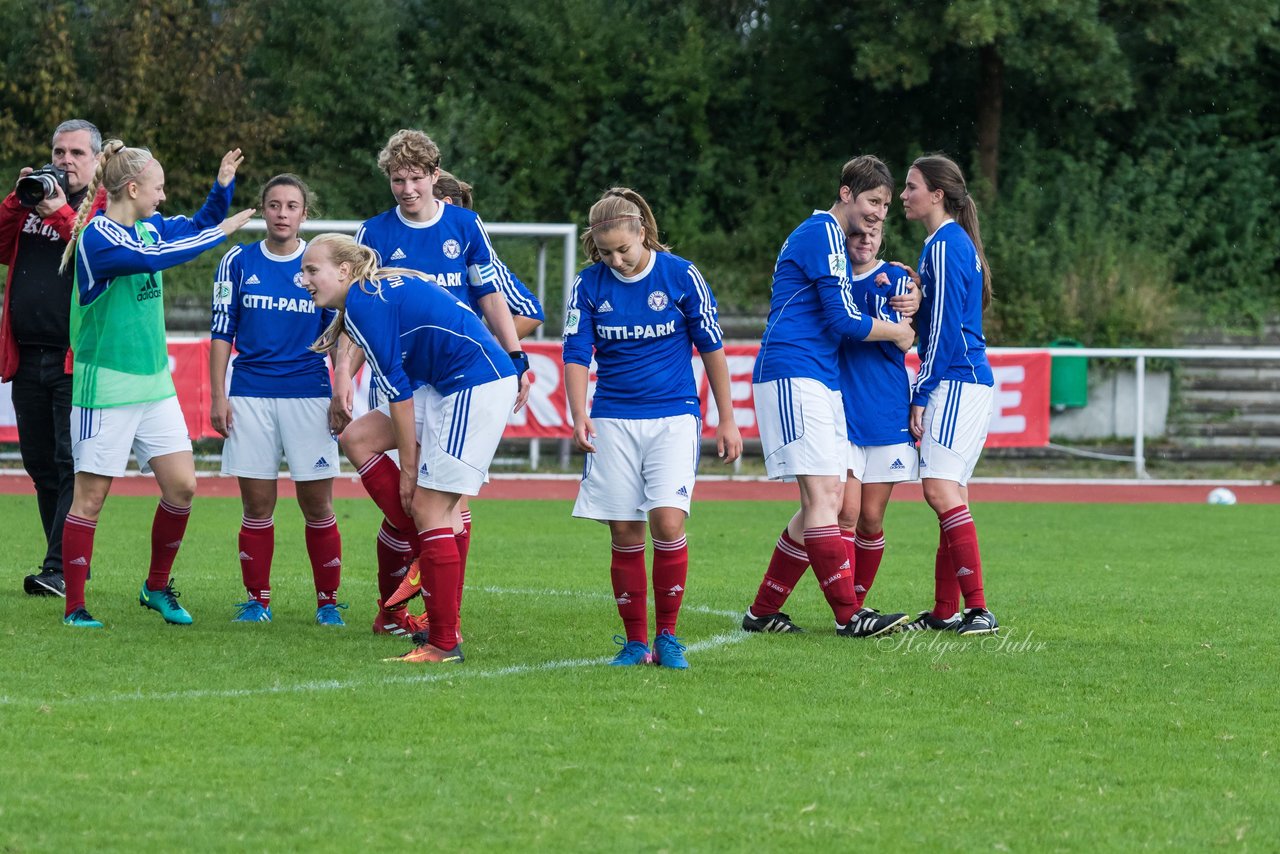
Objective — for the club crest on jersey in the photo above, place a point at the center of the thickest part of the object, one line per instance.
(838, 264)
(658, 300)
(297, 280)
(452, 249)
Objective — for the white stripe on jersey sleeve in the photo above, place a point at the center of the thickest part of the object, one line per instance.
(835, 239)
(379, 379)
(222, 305)
(938, 258)
(707, 316)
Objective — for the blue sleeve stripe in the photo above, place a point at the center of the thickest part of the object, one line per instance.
(117, 235)
(706, 304)
(379, 379)
(938, 261)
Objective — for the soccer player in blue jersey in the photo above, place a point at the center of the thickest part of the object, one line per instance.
(123, 396)
(450, 388)
(951, 402)
(797, 392)
(279, 399)
(638, 309)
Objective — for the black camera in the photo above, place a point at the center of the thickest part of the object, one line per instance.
(41, 184)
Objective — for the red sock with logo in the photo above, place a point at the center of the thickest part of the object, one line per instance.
(167, 529)
(946, 589)
(962, 545)
(834, 570)
(77, 554)
(464, 546)
(324, 548)
(631, 590)
(670, 572)
(381, 479)
(257, 548)
(394, 556)
(868, 550)
(438, 561)
(786, 568)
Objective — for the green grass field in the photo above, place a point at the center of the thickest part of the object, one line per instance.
(1131, 704)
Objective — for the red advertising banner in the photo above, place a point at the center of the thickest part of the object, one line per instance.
(1021, 417)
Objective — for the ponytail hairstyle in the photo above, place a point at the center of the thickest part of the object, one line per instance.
(409, 149)
(455, 188)
(865, 172)
(117, 166)
(288, 179)
(941, 173)
(365, 271)
(621, 207)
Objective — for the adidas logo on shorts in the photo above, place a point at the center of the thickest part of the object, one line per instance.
(605, 306)
(322, 463)
(253, 280)
(423, 470)
(682, 492)
(897, 466)
(398, 255)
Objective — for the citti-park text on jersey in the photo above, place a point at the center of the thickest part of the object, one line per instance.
(302, 306)
(636, 332)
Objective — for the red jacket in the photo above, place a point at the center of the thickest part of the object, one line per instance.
(12, 217)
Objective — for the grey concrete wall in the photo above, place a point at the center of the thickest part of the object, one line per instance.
(1111, 411)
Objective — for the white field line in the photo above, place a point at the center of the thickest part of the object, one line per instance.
(446, 673)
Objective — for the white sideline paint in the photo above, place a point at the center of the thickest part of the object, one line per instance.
(449, 674)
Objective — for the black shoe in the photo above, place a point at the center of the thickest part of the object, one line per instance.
(926, 622)
(778, 623)
(870, 623)
(47, 582)
(978, 621)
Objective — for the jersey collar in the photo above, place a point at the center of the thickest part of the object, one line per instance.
(295, 254)
(653, 259)
(440, 206)
(941, 226)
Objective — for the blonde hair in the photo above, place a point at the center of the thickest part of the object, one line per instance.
(365, 272)
(409, 149)
(621, 207)
(118, 165)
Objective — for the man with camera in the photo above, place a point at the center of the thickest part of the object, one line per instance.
(35, 225)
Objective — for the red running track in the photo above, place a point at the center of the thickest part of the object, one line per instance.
(515, 487)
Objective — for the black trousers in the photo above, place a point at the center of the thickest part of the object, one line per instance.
(42, 403)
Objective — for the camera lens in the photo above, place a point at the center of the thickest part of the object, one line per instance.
(34, 189)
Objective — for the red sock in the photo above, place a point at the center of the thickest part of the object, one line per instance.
(786, 568)
(464, 546)
(946, 589)
(962, 545)
(166, 538)
(394, 556)
(324, 547)
(77, 554)
(834, 571)
(631, 590)
(257, 547)
(438, 558)
(381, 479)
(868, 550)
(670, 572)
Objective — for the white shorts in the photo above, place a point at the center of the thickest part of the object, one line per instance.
(104, 437)
(955, 428)
(459, 434)
(264, 429)
(639, 464)
(802, 429)
(884, 463)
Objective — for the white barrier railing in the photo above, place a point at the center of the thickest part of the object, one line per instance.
(1140, 375)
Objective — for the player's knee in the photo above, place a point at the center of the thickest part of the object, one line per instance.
(847, 519)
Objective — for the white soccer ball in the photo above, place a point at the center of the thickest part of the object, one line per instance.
(1222, 495)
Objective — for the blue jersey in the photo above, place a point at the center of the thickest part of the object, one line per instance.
(414, 333)
(641, 329)
(521, 300)
(950, 318)
(106, 249)
(451, 249)
(811, 306)
(873, 375)
(260, 305)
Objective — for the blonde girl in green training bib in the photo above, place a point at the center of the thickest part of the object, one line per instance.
(123, 397)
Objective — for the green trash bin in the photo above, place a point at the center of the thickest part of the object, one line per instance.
(1069, 377)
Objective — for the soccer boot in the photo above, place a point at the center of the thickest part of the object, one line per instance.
(165, 601)
(870, 623)
(926, 622)
(632, 652)
(778, 623)
(80, 618)
(327, 615)
(669, 652)
(428, 654)
(398, 622)
(252, 611)
(410, 586)
(978, 621)
(46, 582)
